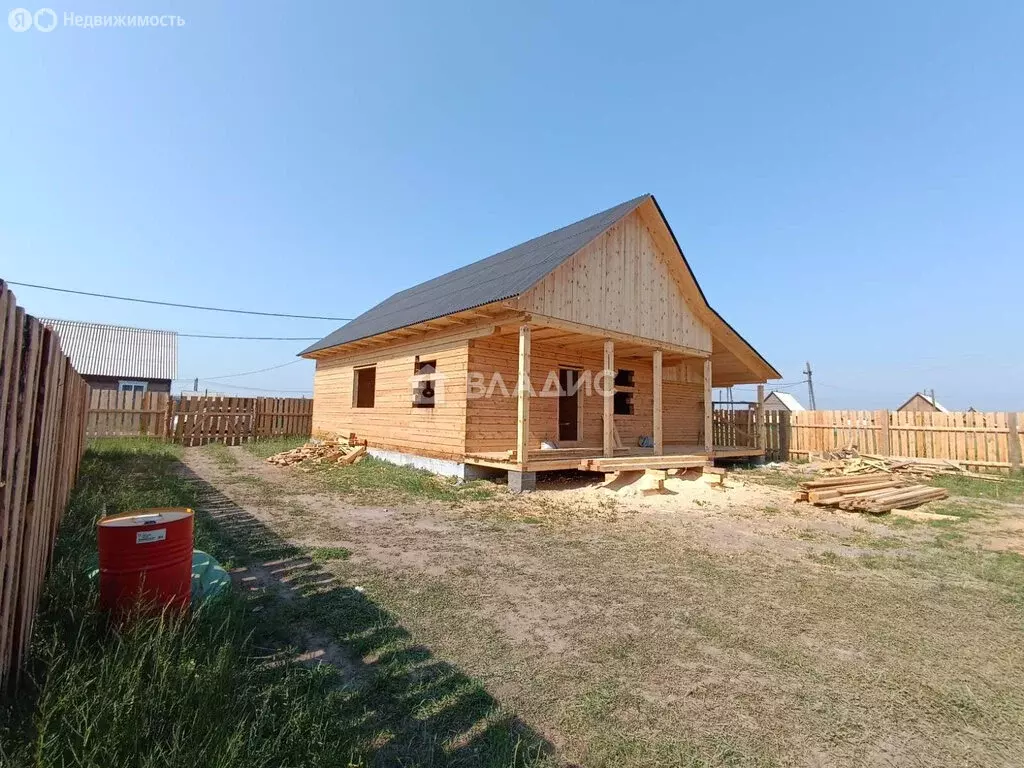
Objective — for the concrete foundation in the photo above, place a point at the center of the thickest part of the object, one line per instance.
(436, 466)
(520, 482)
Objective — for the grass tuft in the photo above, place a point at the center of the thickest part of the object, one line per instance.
(380, 482)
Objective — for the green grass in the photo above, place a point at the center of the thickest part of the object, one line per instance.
(326, 554)
(771, 477)
(264, 448)
(1010, 490)
(220, 687)
(159, 690)
(376, 481)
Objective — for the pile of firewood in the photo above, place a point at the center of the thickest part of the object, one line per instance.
(871, 493)
(321, 452)
(922, 469)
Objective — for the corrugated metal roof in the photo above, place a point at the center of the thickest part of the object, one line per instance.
(116, 350)
(495, 278)
(787, 400)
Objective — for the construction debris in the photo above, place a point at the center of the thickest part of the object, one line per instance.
(651, 482)
(874, 494)
(923, 469)
(322, 452)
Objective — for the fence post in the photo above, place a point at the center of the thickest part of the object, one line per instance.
(882, 417)
(784, 434)
(1013, 441)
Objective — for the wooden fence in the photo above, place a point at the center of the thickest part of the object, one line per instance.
(990, 441)
(197, 420)
(42, 415)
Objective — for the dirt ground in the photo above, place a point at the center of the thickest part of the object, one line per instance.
(703, 627)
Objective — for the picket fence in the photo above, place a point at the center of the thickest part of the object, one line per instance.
(988, 441)
(42, 418)
(196, 420)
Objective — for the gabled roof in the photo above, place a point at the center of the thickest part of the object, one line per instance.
(117, 350)
(787, 400)
(506, 275)
(498, 277)
(927, 398)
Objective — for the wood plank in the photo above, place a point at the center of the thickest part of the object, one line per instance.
(659, 436)
(708, 409)
(523, 396)
(608, 398)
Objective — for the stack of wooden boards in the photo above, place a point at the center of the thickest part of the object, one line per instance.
(923, 469)
(874, 494)
(333, 452)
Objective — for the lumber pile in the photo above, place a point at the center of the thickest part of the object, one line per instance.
(322, 452)
(874, 494)
(921, 469)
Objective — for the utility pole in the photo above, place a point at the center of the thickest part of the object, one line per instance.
(195, 385)
(810, 387)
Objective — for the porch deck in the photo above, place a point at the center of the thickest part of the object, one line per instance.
(593, 460)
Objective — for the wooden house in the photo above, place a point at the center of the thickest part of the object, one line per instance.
(923, 403)
(119, 357)
(589, 347)
(782, 401)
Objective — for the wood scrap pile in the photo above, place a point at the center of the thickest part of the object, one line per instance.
(922, 469)
(872, 494)
(321, 452)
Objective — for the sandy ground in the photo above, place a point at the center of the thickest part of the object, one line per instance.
(699, 624)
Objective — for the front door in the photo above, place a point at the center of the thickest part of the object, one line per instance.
(568, 405)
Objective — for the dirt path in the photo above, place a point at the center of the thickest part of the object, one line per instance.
(723, 627)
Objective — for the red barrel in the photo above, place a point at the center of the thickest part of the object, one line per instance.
(146, 555)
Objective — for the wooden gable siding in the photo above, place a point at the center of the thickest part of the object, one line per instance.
(393, 422)
(491, 421)
(621, 281)
(918, 403)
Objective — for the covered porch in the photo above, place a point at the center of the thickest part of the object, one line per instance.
(641, 391)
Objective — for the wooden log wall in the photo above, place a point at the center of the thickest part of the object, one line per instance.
(42, 418)
(197, 420)
(491, 421)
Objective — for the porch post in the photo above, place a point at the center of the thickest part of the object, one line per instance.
(659, 440)
(762, 426)
(609, 397)
(709, 427)
(523, 423)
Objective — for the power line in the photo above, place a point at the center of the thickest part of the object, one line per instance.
(255, 389)
(175, 304)
(248, 373)
(247, 338)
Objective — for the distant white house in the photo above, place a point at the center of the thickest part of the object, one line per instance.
(782, 401)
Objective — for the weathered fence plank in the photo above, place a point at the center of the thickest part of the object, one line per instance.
(197, 420)
(42, 426)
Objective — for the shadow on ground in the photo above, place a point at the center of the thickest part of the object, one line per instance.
(401, 705)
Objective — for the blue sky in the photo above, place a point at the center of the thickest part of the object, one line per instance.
(847, 180)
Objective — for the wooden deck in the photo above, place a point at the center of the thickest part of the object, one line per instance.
(592, 460)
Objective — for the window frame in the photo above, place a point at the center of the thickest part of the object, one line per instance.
(358, 372)
(133, 386)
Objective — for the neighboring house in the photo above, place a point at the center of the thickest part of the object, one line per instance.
(118, 357)
(921, 402)
(782, 401)
(432, 371)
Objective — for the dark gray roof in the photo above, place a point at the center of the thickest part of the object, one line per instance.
(495, 278)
